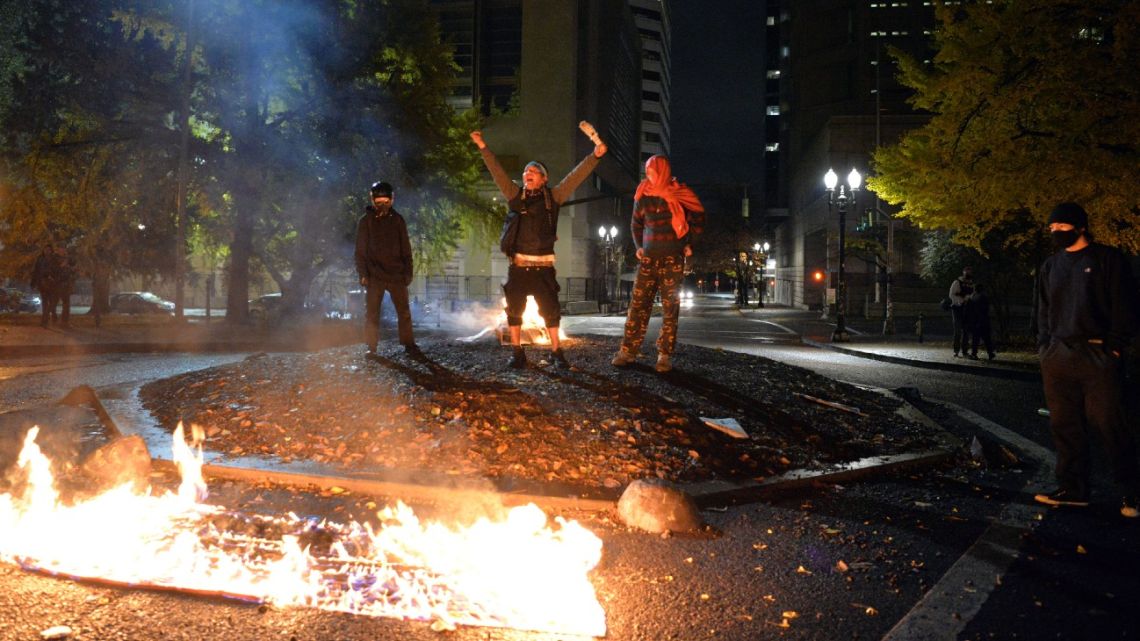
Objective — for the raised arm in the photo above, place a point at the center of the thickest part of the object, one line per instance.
(506, 186)
(562, 191)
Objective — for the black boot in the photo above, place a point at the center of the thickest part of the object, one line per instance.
(518, 359)
(559, 359)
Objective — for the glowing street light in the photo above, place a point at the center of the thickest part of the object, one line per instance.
(841, 201)
(608, 237)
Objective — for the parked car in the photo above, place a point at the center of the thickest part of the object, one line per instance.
(263, 308)
(270, 309)
(140, 303)
(15, 300)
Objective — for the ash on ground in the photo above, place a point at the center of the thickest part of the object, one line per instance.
(459, 410)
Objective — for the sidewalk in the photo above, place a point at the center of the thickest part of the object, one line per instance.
(934, 351)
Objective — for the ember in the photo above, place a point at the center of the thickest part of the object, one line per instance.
(521, 572)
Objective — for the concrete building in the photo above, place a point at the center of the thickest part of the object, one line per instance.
(653, 25)
(537, 69)
(838, 101)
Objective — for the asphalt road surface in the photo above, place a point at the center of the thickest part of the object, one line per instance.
(958, 551)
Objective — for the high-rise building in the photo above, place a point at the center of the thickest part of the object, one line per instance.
(536, 69)
(838, 101)
(652, 20)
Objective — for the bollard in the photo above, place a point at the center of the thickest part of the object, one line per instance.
(918, 328)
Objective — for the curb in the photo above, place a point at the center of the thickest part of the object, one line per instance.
(1003, 372)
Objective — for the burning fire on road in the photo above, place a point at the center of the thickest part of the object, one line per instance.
(520, 572)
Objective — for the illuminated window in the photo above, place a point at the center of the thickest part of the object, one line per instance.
(773, 110)
(772, 146)
(773, 74)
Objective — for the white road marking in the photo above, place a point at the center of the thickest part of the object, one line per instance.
(960, 594)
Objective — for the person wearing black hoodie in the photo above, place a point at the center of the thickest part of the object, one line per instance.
(1087, 315)
(384, 264)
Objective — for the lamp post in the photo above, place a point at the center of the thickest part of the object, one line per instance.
(841, 201)
(608, 238)
(760, 250)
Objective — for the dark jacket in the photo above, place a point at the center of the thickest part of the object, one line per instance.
(537, 212)
(383, 251)
(1087, 294)
(652, 228)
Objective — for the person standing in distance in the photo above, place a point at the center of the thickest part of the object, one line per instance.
(384, 264)
(960, 291)
(1087, 315)
(528, 240)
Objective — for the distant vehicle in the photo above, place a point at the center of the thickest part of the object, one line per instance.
(270, 309)
(356, 302)
(15, 300)
(140, 303)
(262, 308)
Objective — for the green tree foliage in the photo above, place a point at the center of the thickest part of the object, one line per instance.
(1033, 103)
(296, 107)
(86, 149)
(320, 101)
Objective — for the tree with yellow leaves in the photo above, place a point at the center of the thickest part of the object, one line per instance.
(1032, 103)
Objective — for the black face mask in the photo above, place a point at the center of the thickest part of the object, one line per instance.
(1065, 239)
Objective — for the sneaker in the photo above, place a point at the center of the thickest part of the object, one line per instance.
(972, 357)
(558, 358)
(1064, 497)
(992, 356)
(1130, 506)
(955, 354)
(663, 363)
(623, 358)
(518, 359)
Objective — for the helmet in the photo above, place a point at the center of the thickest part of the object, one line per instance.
(381, 189)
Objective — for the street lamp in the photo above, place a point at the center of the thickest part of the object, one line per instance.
(841, 201)
(608, 238)
(761, 252)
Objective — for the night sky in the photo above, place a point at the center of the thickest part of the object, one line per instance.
(718, 91)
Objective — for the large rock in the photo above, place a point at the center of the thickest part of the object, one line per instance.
(123, 460)
(656, 506)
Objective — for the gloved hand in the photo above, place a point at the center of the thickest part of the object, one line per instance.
(364, 281)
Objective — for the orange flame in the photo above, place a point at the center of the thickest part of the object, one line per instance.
(519, 572)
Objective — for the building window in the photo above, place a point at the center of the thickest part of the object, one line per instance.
(651, 96)
(651, 75)
(773, 110)
(773, 74)
(771, 21)
(652, 137)
(772, 146)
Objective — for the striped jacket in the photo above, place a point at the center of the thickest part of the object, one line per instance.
(652, 228)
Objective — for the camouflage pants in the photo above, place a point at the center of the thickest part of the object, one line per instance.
(655, 275)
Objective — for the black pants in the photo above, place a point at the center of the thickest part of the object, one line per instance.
(961, 333)
(980, 334)
(540, 282)
(398, 293)
(1083, 389)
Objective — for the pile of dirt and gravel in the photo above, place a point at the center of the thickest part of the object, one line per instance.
(458, 410)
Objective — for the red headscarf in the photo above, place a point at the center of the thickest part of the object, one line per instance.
(665, 186)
